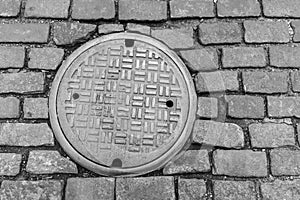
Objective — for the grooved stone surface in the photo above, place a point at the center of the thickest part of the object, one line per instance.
(90, 189)
(234, 190)
(66, 33)
(175, 38)
(285, 56)
(9, 107)
(242, 163)
(22, 82)
(154, 188)
(35, 108)
(285, 162)
(238, 8)
(191, 161)
(205, 59)
(45, 58)
(269, 135)
(24, 33)
(265, 82)
(220, 32)
(189, 189)
(12, 57)
(93, 9)
(244, 57)
(31, 190)
(142, 10)
(10, 164)
(9, 8)
(279, 190)
(192, 8)
(46, 8)
(218, 134)
(240, 106)
(20, 134)
(48, 162)
(266, 31)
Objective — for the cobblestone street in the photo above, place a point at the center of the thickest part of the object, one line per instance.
(243, 56)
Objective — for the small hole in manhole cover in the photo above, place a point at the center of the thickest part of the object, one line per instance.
(75, 96)
(170, 103)
(123, 105)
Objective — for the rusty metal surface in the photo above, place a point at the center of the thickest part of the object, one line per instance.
(123, 104)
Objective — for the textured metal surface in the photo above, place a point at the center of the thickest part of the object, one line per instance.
(122, 104)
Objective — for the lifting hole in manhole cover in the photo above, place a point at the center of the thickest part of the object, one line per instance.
(122, 105)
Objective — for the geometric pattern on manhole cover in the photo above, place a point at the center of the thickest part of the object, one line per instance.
(122, 103)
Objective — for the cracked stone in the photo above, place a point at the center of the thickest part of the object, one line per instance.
(47, 162)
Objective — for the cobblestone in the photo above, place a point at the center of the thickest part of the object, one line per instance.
(10, 164)
(35, 108)
(296, 28)
(234, 190)
(285, 162)
(24, 33)
(90, 188)
(48, 162)
(285, 56)
(155, 188)
(279, 190)
(189, 189)
(270, 135)
(9, 8)
(45, 8)
(192, 8)
(93, 9)
(66, 33)
(20, 134)
(237, 8)
(242, 163)
(296, 81)
(110, 28)
(12, 57)
(22, 82)
(217, 81)
(283, 106)
(131, 27)
(205, 59)
(191, 161)
(175, 38)
(281, 8)
(265, 82)
(207, 107)
(9, 107)
(142, 10)
(240, 106)
(244, 57)
(33, 190)
(45, 58)
(266, 32)
(220, 32)
(218, 134)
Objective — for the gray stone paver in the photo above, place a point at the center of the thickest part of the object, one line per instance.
(35, 108)
(12, 57)
(10, 164)
(10, 8)
(45, 58)
(47, 9)
(9, 107)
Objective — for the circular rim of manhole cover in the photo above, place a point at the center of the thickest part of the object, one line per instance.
(80, 147)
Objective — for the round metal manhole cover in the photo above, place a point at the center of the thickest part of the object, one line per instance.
(123, 104)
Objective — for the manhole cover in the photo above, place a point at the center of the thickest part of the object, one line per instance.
(123, 104)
